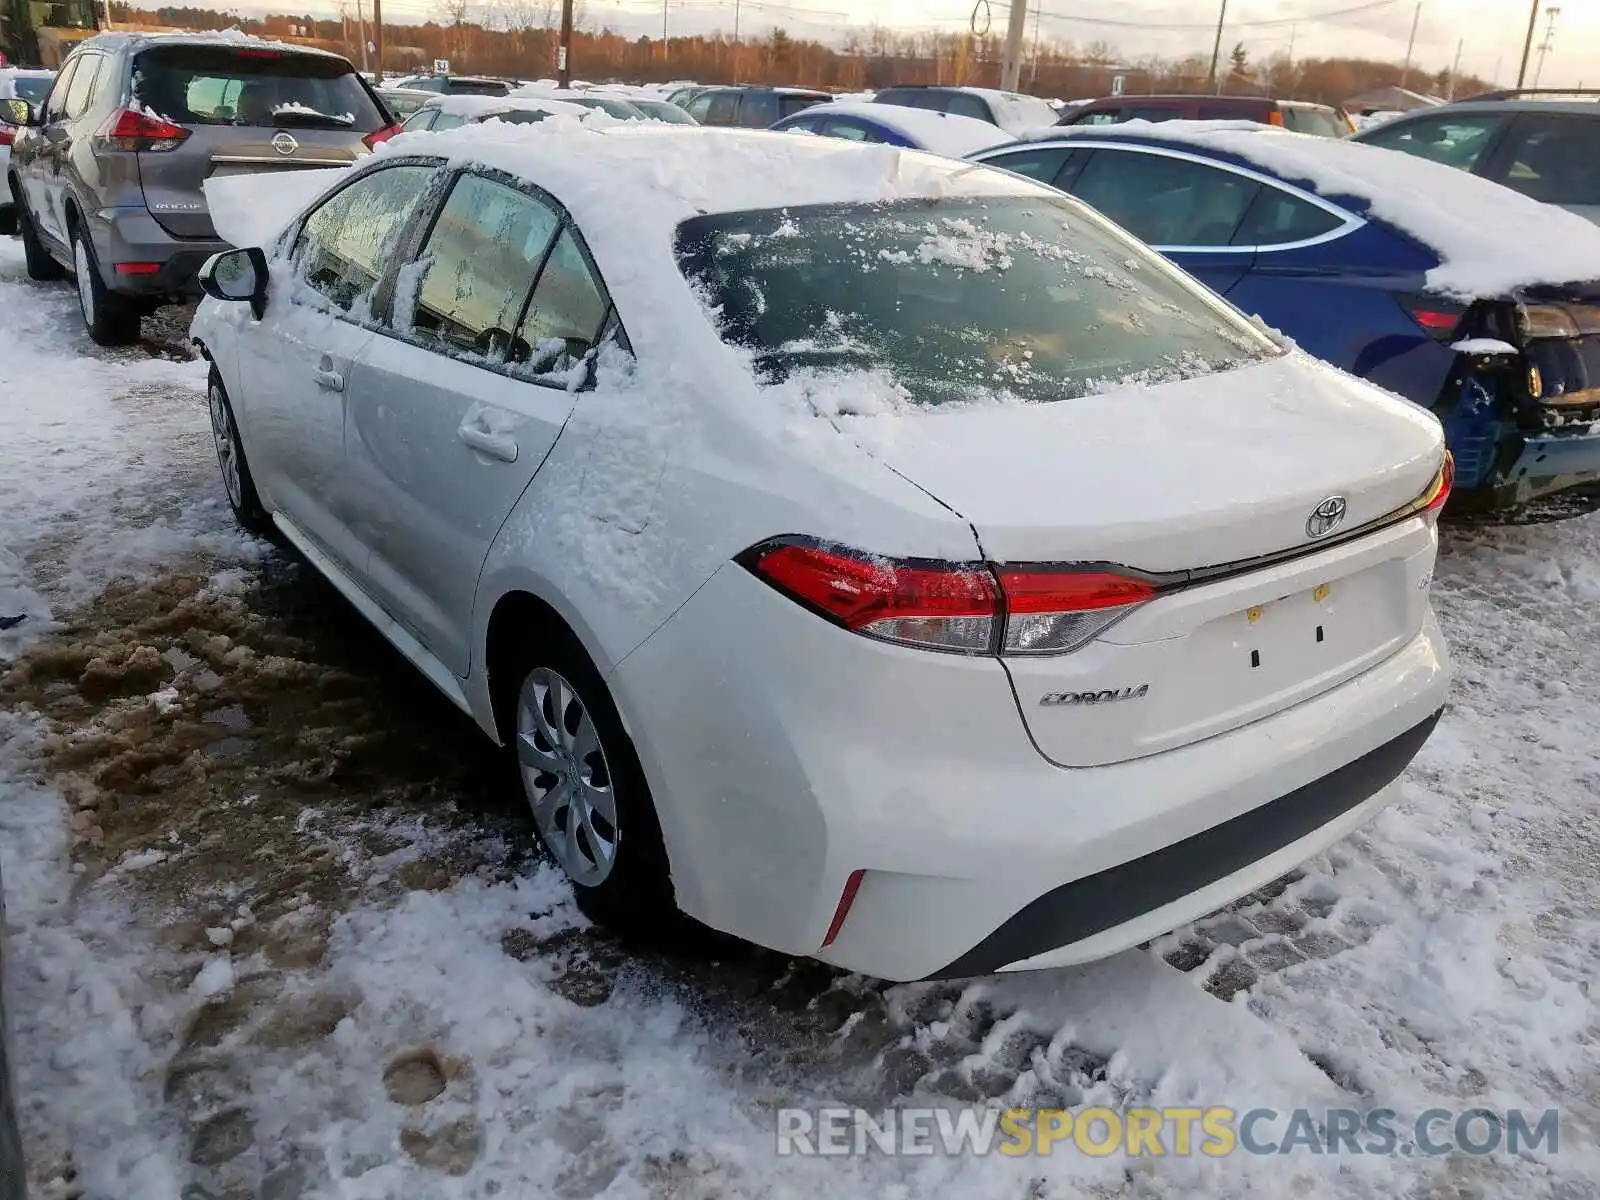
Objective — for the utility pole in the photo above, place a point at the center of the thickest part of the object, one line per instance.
(1455, 70)
(361, 25)
(564, 50)
(736, 41)
(1549, 39)
(1527, 46)
(377, 40)
(1011, 63)
(663, 32)
(1216, 51)
(1033, 68)
(1405, 72)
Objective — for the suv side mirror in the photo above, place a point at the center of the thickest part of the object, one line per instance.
(237, 275)
(18, 112)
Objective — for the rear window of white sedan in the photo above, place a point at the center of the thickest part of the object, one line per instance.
(959, 300)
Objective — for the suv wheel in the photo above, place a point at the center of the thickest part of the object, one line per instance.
(581, 777)
(236, 480)
(40, 265)
(111, 320)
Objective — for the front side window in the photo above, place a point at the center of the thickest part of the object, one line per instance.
(789, 105)
(722, 108)
(933, 302)
(757, 110)
(1165, 201)
(465, 291)
(1455, 141)
(851, 131)
(82, 83)
(1323, 122)
(960, 104)
(223, 85)
(55, 110)
(343, 244)
(422, 119)
(700, 106)
(1103, 116)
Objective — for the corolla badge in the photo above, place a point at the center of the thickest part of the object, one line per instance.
(1326, 517)
(284, 144)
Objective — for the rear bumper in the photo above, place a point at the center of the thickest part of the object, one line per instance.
(808, 753)
(132, 235)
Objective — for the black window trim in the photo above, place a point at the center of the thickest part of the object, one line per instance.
(1349, 221)
(416, 235)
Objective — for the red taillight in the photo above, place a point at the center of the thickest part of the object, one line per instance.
(1053, 611)
(1438, 491)
(126, 129)
(380, 135)
(137, 268)
(943, 606)
(8, 135)
(1437, 318)
(847, 897)
(966, 608)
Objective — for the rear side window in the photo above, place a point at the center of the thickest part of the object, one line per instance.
(225, 85)
(341, 247)
(849, 130)
(477, 87)
(1102, 116)
(789, 105)
(1166, 201)
(1553, 158)
(1456, 141)
(422, 119)
(960, 104)
(1276, 218)
(464, 292)
(1045, 164)
(757, 110)
(78, 92)
(566, 313)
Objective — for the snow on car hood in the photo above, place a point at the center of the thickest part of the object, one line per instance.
(1490, 239)
(251, 210)
(1161, 477)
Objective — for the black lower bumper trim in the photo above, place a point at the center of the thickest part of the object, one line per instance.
(1102, 901)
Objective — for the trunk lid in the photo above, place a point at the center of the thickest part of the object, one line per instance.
(1179, 481)
(246, 109)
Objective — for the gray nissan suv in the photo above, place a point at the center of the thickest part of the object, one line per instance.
(107, 172)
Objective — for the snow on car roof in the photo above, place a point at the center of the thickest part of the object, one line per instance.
(114, 40)
(469, 105)
(1490, 239)
(942, 133)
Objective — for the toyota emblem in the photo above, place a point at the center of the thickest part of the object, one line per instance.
(284, 144)
(1326, 517)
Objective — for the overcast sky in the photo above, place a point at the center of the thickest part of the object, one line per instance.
(1491, 31)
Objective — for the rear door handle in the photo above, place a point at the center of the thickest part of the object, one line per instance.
(495, 445)
(330, 381)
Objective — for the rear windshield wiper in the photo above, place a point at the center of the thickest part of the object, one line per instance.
(306, 119)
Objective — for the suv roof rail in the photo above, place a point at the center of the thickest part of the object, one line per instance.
(1515, 93)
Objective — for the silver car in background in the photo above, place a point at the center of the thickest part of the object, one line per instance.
(107, 172)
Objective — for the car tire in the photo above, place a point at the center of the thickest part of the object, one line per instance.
(111, 320)
(580, 775)
(41, 266)
(236, 479)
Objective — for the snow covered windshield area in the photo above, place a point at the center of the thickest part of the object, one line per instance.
(958, 301)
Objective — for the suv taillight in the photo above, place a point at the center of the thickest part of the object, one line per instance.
(127, 129)
(961, 608)
(381, 135)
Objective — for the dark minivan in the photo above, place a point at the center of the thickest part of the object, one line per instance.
(108, 172)
(751, 107)
(1299, 116)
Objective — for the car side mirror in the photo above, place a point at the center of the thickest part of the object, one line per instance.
(237, 275)
(18, 112)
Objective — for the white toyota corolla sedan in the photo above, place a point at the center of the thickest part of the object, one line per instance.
(878, 557)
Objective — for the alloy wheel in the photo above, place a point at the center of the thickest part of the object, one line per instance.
(566, 777)
(222, 433)
(80, 260)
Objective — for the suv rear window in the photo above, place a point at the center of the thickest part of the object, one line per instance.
(229, 85)
(958, 300)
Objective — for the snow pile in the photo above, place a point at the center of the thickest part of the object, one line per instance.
(1490, 239)
(940, 133)
(251, 210)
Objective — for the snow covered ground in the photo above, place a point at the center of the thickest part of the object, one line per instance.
(276, 933)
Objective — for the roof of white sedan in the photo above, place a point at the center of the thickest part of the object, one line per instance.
(1491, 239)
(942, 133)
(469, 106)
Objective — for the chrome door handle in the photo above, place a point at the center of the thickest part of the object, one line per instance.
(329, 381)
(495, 445)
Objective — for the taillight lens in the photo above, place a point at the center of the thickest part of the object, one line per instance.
(8, 134)
(1439, 319)
(1432, 500)
(941, 606)
(380, 135)
(1054, 611)
(141, 132)
(962, 608)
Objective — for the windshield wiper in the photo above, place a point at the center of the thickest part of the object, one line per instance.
(311, 120)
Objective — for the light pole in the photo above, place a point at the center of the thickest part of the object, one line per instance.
(1527, 46)
(1405, 71)
(1216, 51)
(1549, 39)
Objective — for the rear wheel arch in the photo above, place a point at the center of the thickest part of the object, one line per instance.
(517, 618)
